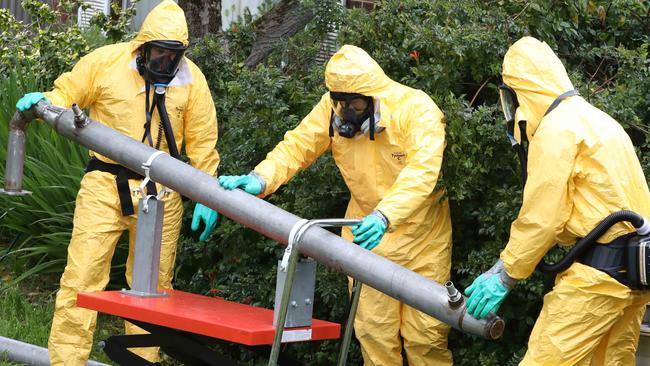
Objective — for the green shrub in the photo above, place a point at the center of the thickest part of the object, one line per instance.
(49, 46)
(452, 50)
(38, 224)
(45, 46)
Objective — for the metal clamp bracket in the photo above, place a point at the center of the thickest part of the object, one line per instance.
(145, 202)
(140, 190)
(288, 264)
(302, 226)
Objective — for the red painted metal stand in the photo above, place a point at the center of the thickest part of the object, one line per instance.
(185, 325)
(205, 316)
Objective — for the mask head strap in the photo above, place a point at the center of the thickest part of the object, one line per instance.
(560, 98)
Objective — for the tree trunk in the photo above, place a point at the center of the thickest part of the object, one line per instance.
(203, 16)
(283, 21)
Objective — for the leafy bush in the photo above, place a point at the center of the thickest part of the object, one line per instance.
(46, 46)
(117, 26)
(452, 50)
(53, 42)
(39, 226)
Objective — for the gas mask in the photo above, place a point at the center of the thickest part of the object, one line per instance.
(158, 61)
(354, 113)
(509, 105)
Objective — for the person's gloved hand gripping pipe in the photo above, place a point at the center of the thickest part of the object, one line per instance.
(28, 100)
(249, 183)
(488, 291)
(368, 234)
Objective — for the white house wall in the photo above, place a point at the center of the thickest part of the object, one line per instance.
(231, 10)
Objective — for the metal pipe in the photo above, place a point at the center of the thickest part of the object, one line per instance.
(16, 154)
(349, 324)
(327, 248)
(29, 354)
(284, 304)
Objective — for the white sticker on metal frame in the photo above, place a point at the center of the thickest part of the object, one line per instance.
(298, 335)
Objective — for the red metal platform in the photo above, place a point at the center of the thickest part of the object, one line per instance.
(213, 317)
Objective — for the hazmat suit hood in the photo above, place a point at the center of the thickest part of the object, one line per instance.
(165, 22)
(352, 70)
(537, 76)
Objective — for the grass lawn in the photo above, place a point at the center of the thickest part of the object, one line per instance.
(27, 314)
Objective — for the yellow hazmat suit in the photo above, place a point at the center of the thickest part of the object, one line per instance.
(581, 167)
(396, 174)
(107, 82)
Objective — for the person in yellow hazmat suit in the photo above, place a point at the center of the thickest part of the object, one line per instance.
(387, 140)
(116, 83)
(581, 167)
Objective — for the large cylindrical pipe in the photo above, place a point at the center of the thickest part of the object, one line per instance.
(263, 217)
(29, 354)
(16, 154)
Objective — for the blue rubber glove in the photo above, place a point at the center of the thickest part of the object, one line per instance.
(209, 218)
(249, 183)
(28, 100)
(488, 291)
(368, 234)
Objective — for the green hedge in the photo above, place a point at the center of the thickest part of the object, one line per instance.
(453, 51)
(37, 228)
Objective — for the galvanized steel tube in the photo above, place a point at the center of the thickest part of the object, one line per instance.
(29, 354)
(16, 154)
(261, 216)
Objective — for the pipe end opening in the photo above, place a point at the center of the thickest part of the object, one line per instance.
(495, 328)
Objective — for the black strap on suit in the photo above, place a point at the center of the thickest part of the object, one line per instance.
(122, 176)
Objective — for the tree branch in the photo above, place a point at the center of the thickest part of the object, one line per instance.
(283, 21)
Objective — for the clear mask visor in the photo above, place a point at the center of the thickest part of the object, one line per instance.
(509, 103)
(163, 61)
(348, 109)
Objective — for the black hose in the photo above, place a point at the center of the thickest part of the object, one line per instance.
(590, 239)
(169, 133)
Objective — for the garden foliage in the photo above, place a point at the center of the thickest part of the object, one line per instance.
(38, 226)
(453, 51)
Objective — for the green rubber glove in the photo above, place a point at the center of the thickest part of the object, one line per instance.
(28, 100)
(368, 234)
(486, 294)
(209, 218)
(249, 183)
